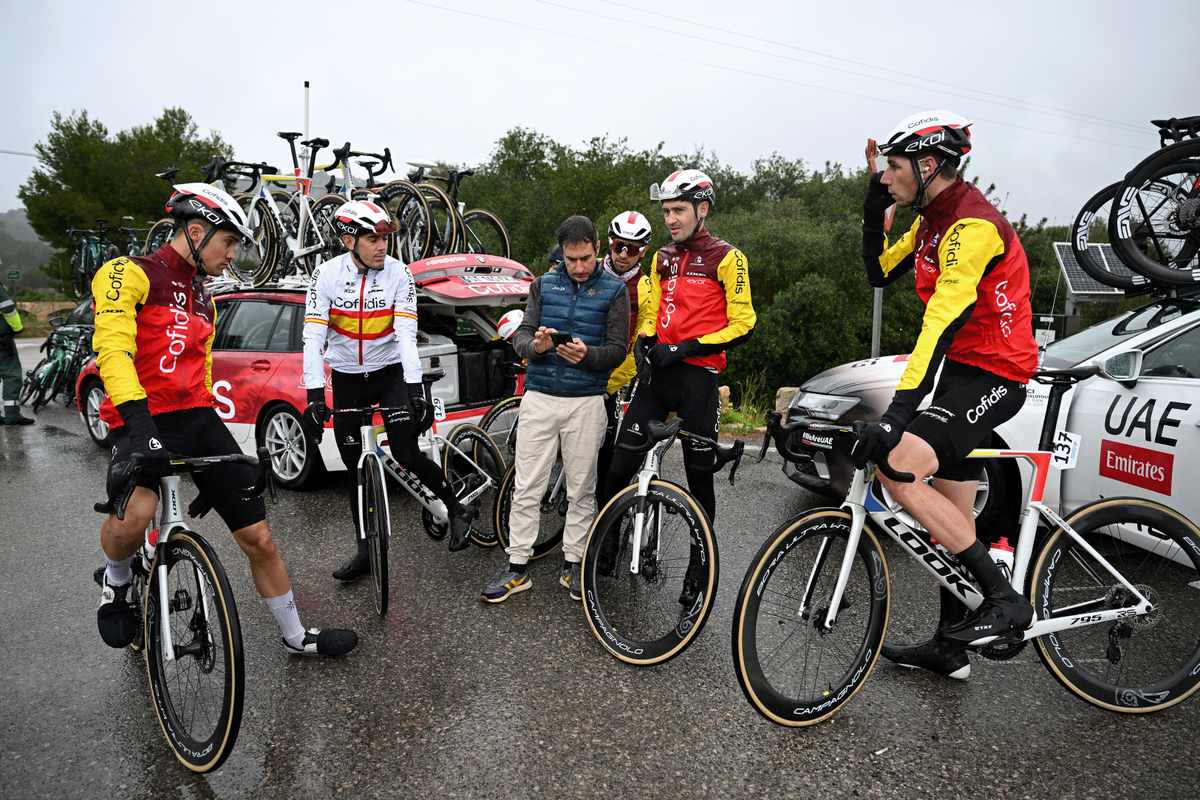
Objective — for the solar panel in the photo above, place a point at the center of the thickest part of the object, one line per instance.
(1080, 283)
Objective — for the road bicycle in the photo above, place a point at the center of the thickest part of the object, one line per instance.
(453, 230)
(1154, 222)
(643, 545)
(67, 350)
(1113, 586)
(92, 250)
(189, 626)
(133, 237)
(470, 462)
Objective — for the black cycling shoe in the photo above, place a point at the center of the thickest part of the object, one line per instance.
(355, 568)
(942, 658)
(117, 616)
(996, 621)
(460, 529)
(329, 642)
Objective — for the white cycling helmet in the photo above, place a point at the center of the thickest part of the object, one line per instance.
(930, 131)
(509, 323)
(630, 226)
(686, 184)
(361, 216)
(201, 201)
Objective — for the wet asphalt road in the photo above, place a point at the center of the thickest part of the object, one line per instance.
(450, 697)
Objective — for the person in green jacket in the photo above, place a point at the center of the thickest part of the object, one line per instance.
(10, 364)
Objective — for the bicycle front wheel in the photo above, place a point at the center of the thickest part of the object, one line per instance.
(1138, 663)
(500, 422)
(791, 668)
(1092, 223)
(158, 235)
(552, 521)
(638, 617)
(483, 232)
(318, 232)
(198, 689)
(377, 527)
(443, 220)
(408, 208)
(32, 383)
(474, 468)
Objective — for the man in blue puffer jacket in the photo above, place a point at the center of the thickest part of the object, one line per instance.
(563, 407)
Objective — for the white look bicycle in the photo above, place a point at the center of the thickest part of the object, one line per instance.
(1114, 587)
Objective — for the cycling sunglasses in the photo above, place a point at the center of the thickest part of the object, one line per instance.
(633, 248)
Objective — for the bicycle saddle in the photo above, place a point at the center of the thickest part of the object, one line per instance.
(316, 143)
(291, 137)
(421, 164)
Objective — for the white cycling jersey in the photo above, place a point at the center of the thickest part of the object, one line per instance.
(364, 321)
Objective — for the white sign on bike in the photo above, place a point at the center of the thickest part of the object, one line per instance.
(1066, 450)
(439, 409)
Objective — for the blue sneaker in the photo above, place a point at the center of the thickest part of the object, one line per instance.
(571, 579)
(506, 583)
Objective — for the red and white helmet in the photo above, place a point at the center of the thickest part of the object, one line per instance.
(362, 216)
(687, 184)
(509, 323)
(930, 131)
(201, 201)
(630, 226)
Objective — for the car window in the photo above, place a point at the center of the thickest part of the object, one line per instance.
(281, 337)
(1178, 358)
(84, 314)
(250, 326)
(1081, 346)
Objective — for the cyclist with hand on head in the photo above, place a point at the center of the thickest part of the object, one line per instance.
(972, 276)
(700, 298)
(628, 237)
(362, 309)
(155, 324)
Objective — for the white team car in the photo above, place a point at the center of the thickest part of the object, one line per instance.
(1130, 433)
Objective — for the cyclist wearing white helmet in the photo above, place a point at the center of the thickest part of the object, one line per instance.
(154, 334)
(362, 310)
(700, 298)
(972, 275)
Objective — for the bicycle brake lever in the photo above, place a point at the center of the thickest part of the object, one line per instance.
(740, 446)
(199, 507)
(762, 453)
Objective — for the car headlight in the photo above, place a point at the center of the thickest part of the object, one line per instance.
(824, 406)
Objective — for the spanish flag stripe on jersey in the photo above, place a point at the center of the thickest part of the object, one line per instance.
(368, 325)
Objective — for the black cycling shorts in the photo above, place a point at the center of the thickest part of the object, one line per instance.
(196, 432)
(968, 404)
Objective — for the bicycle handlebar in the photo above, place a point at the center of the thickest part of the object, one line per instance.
(780, 433)
(1176, 129)
(660, 432)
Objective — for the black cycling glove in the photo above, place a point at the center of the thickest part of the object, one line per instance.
(422, 409)
(316, 414)
(875, 204)
(878, 200)
(879, 438)
(143, 434)
(664, 355)
(641, 349)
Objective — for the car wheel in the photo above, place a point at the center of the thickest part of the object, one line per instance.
(295, 461)
(91, 396)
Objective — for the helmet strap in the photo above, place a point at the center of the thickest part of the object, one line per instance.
(922, 183)
(699, 219)
(362, 266)
(194, 248)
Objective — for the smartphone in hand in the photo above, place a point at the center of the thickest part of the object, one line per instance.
(560, 338)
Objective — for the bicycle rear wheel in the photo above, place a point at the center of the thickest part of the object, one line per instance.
(1155, 221)
(198, 693)
(791, 670)
(443, 220)
(1092, 223)
(638, 617)
(159, 234)
(32, 382)
(1139, 663)
(377, 526)
(255, 259)
(408, 208)
(475, 470)
(483, 232)
(500, 422)
(318, 230)
(553, 511)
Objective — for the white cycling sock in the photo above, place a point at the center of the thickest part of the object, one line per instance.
(284, 609)
(118, 572)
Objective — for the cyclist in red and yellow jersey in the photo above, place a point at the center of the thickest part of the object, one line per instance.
(155, 324)
(700, 290)
(972, 275)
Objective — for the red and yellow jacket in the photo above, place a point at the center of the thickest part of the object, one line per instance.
(700, 289)
(641, 320)
(973, 277)
(154, 332)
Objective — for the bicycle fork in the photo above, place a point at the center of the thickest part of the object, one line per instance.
(647, 474)
(172, 520)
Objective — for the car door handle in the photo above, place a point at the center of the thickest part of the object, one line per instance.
(260, 366)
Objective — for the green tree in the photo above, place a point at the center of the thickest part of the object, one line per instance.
(85, 173)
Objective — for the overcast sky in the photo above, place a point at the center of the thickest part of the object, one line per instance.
(1061, 92)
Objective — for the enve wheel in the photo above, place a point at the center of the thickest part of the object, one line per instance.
(295, 461)
(474, 468)
(791, 669)
(483, 232)
(1136, 664)
(1092, 223)
(553, 507)
(198, 694)
(377, 527)
(318, 231)
(90, 401)
(1155, 221)
(500, 422)
(638, 617)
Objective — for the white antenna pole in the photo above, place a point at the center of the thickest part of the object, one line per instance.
(305, 156)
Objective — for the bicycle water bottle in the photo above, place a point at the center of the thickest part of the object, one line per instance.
(1002, 553)
(148, 548)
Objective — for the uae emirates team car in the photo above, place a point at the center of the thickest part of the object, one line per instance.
(1130, 433)
(258, 360)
